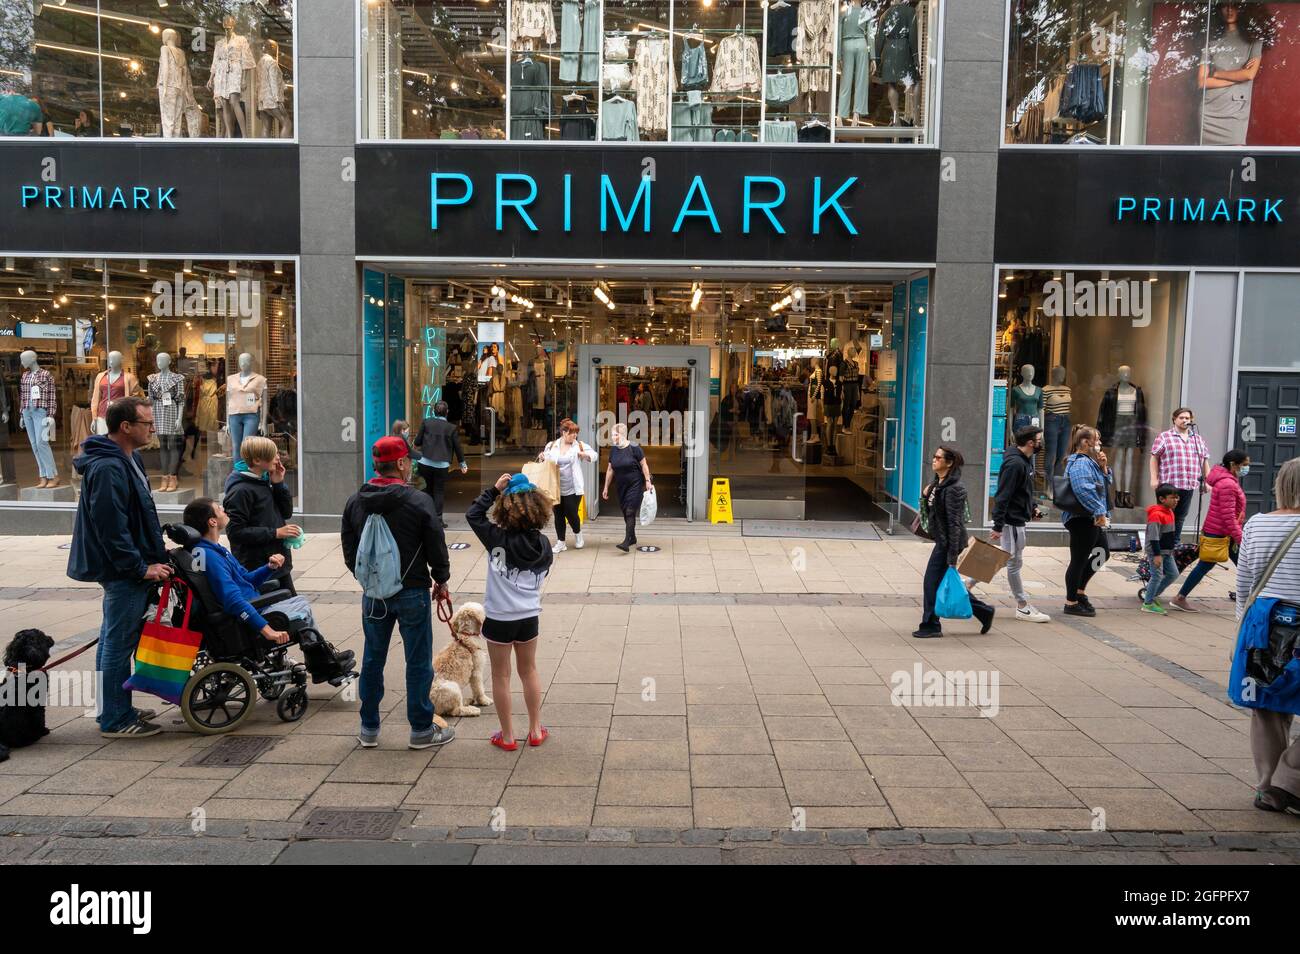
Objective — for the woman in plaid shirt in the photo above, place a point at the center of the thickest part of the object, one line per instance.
(1180, 458)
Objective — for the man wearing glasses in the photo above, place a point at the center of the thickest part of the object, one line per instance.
(117, 543)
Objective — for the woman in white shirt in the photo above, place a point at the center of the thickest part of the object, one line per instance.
(568, 452)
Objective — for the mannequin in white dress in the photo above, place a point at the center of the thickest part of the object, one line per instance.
(270, 93)
(231, 77)
(175, 90)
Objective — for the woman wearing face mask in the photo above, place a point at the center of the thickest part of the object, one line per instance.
(1090, 480)
(1226, 515)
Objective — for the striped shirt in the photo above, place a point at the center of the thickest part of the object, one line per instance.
(1264, 533)
(1056, 399)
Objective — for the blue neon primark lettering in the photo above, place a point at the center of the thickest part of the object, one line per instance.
(1186, 209)
(608, 196)
(92, 198)
(438, 200)
(697, 185)
(764, 207)
(517, 204)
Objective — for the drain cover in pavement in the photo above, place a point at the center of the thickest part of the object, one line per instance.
(234, 750)
(350, 824)
(458, 546)
(648, 549)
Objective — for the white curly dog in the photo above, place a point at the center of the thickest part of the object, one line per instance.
(462, 661)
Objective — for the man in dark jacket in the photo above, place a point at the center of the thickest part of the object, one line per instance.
(439, 445)
(1013, 508)
(117, 543)
(258, 503)
(424, 564)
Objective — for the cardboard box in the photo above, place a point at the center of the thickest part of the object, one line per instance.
(982, 560)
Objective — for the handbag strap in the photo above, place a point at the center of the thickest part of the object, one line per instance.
(189, 602)
(163, 599)
(1274, 562)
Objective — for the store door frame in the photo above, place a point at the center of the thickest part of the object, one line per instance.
(593, 358)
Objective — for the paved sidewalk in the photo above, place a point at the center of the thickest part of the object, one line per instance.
(722, 683)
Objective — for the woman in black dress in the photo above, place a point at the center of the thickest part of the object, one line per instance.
(630, 472)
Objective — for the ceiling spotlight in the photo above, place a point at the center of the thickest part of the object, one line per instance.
(55, 265)
(279, 268)
(230, 267)
(1002, 289)
(187, 266)
(1152, 277)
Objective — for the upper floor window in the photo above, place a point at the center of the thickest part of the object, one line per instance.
(695, 71)
(1154, 73)
(198, 69)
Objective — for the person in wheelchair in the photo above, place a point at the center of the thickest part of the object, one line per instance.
(235, 587)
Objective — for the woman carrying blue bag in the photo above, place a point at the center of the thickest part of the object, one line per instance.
(944, 509)
(1265, 676)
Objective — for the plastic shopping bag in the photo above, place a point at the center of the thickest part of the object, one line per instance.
(649, 507)
(952, 600)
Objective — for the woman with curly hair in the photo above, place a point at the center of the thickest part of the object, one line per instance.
(508, 518)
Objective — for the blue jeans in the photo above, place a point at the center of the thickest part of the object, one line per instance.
(1163, 572)
(241, 426)
(412, 608)
(34, 422)
(1056, 443)
(119, 633)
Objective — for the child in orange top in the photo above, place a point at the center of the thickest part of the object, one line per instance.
(1161, 539)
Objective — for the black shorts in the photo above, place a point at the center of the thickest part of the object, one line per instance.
(510, 631)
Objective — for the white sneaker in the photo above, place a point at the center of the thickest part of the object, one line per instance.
(559, 547)
(579, 542)
(1030, 615)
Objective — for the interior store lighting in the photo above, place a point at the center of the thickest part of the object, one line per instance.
(9, 264)
(1152, 277)
(56, 265)
(278, 267)
(697, 292)
(187, 266)
(230, 267)
(144, 265)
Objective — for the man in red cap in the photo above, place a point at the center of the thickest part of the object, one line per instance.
(425, 569)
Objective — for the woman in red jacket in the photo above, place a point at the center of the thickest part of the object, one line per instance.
(1226, 515)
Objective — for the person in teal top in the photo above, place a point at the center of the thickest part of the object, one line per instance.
(19, 115)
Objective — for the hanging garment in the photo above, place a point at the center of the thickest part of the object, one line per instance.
(532, 19)
(782, 24)
(895, 46)
(229, 61)
(577, 122)
(780, 88)
(815, 43)
(205, 415)
(590, 41)
(692, 121)
(695, 66)
(570, 40)
(855, 62)
(175, 90)
(1084, 96)
(616, 77)
(167, 394)
(815, 132)
(783, 130)
(650, 78)
(270, 83)
(618, 121)
(530, 82)
(738, 66)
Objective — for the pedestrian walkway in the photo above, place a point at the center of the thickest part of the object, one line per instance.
(723, 682)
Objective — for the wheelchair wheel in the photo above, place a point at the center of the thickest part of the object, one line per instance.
(1142, 594)
(218, 698)
(292, 705)
(272, 692)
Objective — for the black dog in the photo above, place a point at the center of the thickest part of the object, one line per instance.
(22, 694)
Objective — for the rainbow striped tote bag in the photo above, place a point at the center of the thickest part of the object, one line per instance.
(165, 656)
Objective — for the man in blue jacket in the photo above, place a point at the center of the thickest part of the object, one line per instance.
(117, 543)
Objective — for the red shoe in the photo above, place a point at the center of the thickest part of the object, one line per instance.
(536, 740)
(500, 743)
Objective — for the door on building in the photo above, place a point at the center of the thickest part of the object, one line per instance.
(1268, 409)
(659, 393)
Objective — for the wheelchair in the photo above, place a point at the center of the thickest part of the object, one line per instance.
(235, 663)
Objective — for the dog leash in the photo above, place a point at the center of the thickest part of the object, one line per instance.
(445, 613)
(72, 655)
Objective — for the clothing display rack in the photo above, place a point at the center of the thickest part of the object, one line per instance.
(1038, 118)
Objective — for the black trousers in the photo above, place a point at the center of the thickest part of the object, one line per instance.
(1180, 512)
(567, 509)
(1086, 539)
(435, 485)
(935, 570)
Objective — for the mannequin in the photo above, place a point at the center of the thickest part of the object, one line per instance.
(39, 403)
(167, 393)
(1122, 421)
(816, 392)
(834, 396)
(270, 93)
(896, 54)
(1057, 401)
(230, 77)
(851, 380)
(1026, 401)
(857, 35)
(110, 385)
(245, 403)
(539, 385)
(175, 91)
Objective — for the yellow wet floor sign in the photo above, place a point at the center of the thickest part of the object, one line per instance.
(720, 501)
(582, 510)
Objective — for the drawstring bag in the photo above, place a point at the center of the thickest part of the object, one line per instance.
(649, 507)
(952, 600)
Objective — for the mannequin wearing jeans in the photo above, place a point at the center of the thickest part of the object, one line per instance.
(40, 407)
(1057, 402)
(245, 403)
